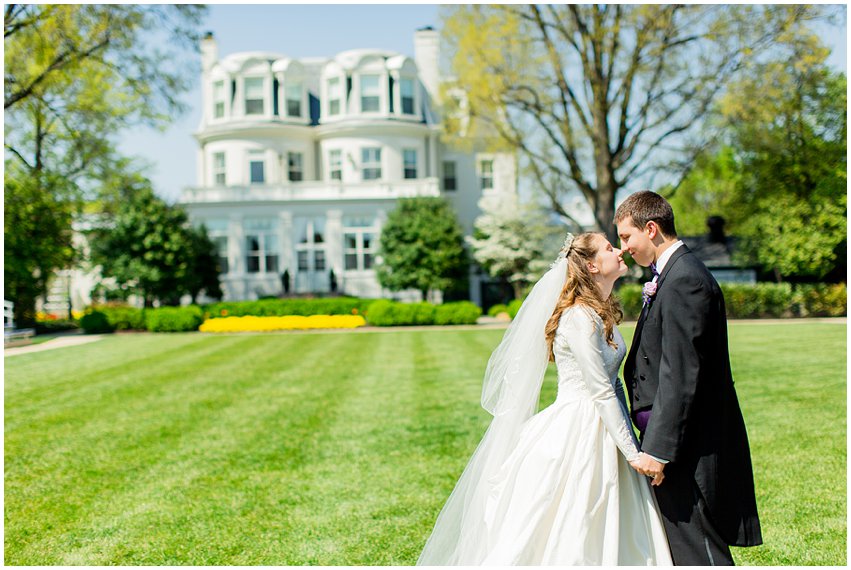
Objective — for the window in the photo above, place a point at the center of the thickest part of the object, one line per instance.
(486, 174)
(334, 95)
(261, 246)
(410, 156)
(406, 90)
(222, 251)
(293, 94)
(371, 163)
(219, 168)
(335, 164)
(319, 260)
(253, 95)
(369, 93)
(310, 251)
(358, 243)
(218, 99)
(256, 168)
(449, 180)
(294, 162)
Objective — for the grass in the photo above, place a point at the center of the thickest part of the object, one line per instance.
(339, 449)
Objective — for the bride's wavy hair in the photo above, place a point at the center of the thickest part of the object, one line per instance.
(580, 288)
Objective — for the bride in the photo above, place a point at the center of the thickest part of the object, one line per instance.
(556, 487)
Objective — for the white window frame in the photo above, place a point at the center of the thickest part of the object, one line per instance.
(370, 164)
(409, 169)
(263, 231)
(217, 230)
(364, 257)
(485, 175)
(256, 156)
(219, 169)
(335, 166)
(373, 93)
(262, 98)
(295, 166)
(290, 89)
(446, 167)
(219, 98)
(402, 96)
(335, 84)
(311, 250)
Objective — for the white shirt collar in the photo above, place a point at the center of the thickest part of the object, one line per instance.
(666, 255)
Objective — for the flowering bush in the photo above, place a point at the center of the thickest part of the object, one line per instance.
(255, 324)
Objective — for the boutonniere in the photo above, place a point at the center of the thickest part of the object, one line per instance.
(648, 292)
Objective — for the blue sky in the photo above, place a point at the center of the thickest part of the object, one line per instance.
(298, 30)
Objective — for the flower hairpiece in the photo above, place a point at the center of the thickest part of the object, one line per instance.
(565, 248)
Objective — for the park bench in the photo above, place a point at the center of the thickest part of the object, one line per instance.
(11, 335)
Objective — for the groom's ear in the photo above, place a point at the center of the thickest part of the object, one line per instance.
(652, 229)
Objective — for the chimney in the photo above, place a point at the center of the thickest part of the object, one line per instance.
(209, 52)
(427, 57)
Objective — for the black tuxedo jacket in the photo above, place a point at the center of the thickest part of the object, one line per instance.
(679, 367)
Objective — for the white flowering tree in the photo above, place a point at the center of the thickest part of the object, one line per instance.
(514, 241)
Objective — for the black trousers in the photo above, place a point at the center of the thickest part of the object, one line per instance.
(691, 534)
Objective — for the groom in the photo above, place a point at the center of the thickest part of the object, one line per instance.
(682, 397)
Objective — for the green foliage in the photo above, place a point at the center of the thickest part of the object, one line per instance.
(286, 307)
(780, 180)
(596, 97)
(150, 248)
(123, 317)
(497, 309)
(267, 442)
(458, 313)
(514, 306)
(762, 300)
(95, 322)
(422, 247)
(37, 238)
(174, 319)
(48, 327)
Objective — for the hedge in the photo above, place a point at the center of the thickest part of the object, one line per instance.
(95, 322)
(287, 307)
(174, 319)
(384, 313)
(763, 300)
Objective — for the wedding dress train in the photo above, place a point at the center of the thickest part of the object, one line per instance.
(566, 493)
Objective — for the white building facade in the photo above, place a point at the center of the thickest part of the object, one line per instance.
(300, 162)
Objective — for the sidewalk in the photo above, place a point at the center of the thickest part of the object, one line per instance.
(58, 342)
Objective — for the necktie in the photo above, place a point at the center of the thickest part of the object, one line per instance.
(653, 270)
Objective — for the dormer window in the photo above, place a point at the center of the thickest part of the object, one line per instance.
(406, 90)
(293, 93)
(253, 95)
(369, 93)
(334, 96)
(218, 99)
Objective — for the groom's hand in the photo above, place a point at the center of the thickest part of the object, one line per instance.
(648, 466)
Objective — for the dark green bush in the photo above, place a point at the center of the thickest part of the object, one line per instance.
(286, 307)
(762, 300)
(123, 317)
(497, 309)
(174, 319)
(48, 327)
(458, 313)
(95, 322)
(513, 307)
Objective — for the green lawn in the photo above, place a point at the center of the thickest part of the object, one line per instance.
(339, 449)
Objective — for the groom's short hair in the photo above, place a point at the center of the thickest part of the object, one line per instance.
(646, 206)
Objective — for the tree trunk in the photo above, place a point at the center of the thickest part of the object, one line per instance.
(604, 209)
(518, 289)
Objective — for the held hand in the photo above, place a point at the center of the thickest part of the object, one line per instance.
(648, 466)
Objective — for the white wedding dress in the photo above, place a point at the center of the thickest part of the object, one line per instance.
(566, 494)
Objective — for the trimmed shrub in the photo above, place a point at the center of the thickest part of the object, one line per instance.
(292, 322)
(123, 317)
(821, 300)
(513, 307)
(458, 313)
(95, 322)
(497, 309)
(630, 298)
(59, 325)
(174, 319)
(288, 307)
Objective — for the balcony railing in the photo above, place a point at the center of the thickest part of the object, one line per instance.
(312, 190)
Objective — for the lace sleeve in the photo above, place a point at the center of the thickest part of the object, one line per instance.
(584, 336)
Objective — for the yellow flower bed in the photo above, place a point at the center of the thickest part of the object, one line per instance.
(253, 324)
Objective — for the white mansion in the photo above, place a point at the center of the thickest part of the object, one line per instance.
(300, 161)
